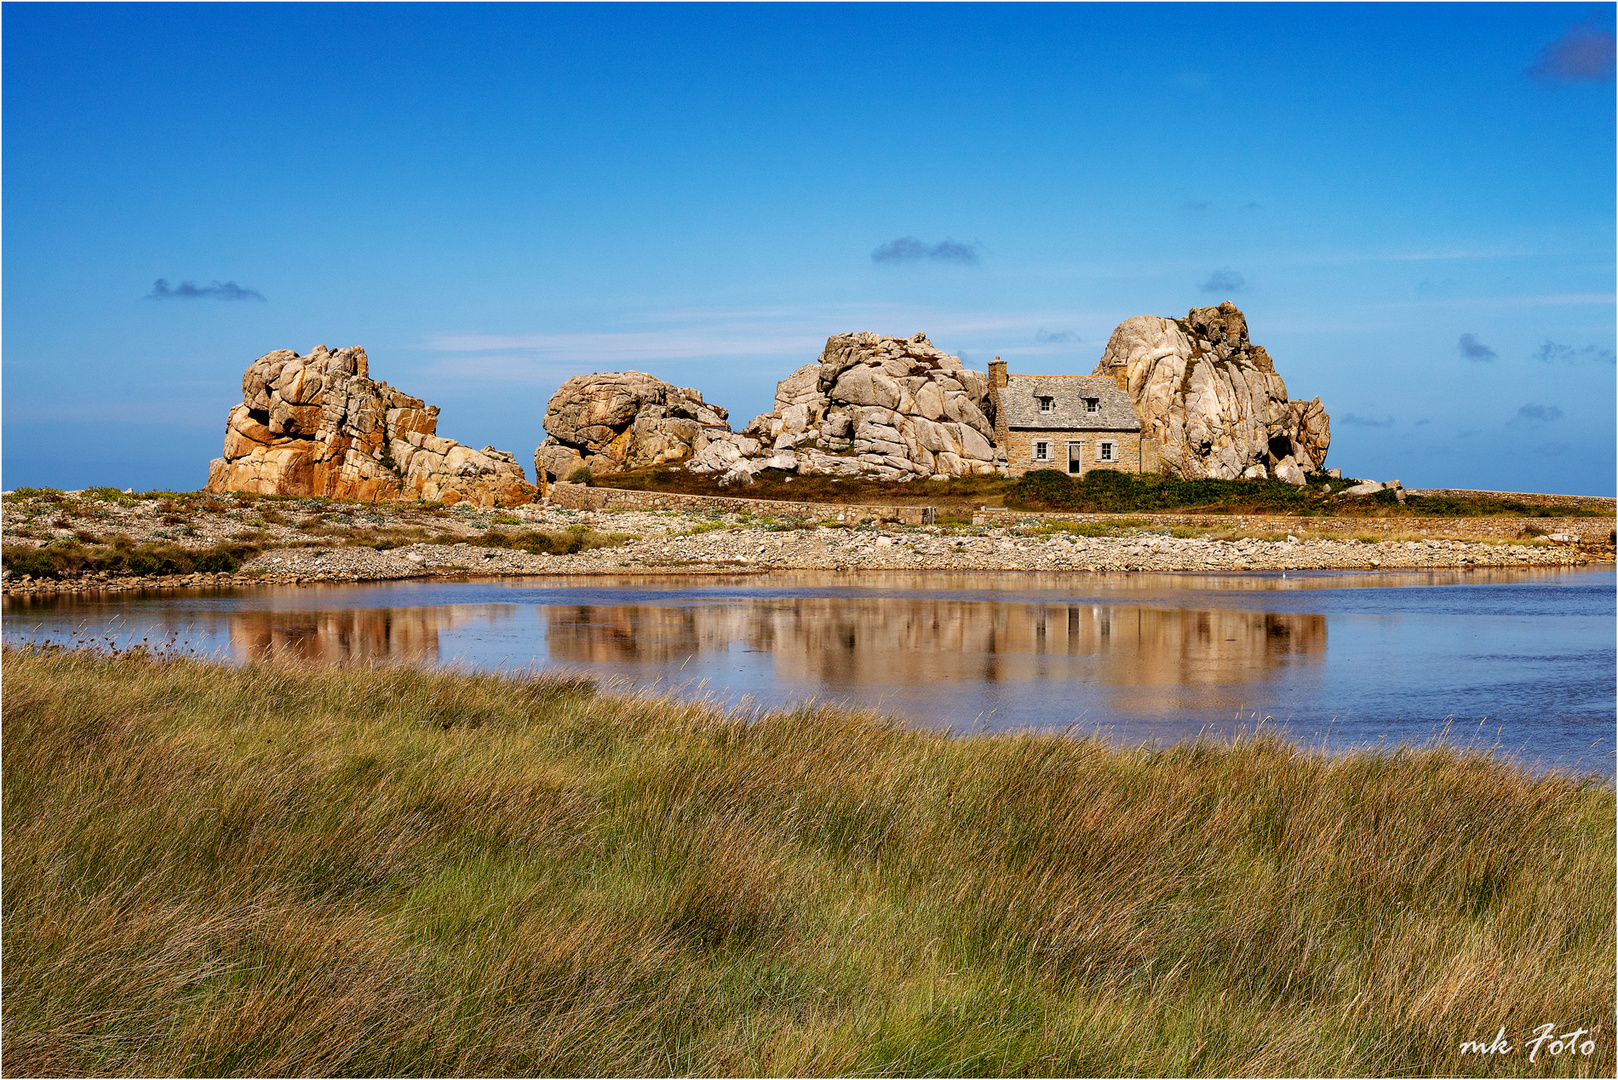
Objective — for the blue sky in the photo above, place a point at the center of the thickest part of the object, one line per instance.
(1414, 204)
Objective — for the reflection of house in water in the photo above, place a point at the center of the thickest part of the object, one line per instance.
(346, 635)
(843, 641)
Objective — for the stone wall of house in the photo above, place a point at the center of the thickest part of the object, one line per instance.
(1019, 448)
(582, 497)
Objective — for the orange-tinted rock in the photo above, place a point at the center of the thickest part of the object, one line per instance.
(319, 425)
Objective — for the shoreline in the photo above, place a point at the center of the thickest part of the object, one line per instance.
(340, 543)
(730, 556)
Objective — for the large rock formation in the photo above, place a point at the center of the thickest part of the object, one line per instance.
(319, 425)
(624, 420)
(881, 407)
(1213, 399)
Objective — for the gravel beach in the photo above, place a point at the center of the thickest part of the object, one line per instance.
(338, 542)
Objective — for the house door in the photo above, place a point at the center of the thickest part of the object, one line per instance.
(1075, 458)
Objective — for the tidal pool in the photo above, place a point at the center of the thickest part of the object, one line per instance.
(1522, 659)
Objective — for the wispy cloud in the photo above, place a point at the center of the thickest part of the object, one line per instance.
(1355, 420)
(1055, 337)
(538, 358)
(780, 339)
(1585, 53)
(1552, 353)
(1224, 280)
(190, 290)
(908, 249)
(1543, 413)
(1473, 349)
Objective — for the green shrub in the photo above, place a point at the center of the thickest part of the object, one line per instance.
(581, 475)
(1111, 491)
(1042, 487)
(31, 561)
(120, 555)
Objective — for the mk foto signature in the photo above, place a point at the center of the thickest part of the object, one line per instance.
(1545, 1038)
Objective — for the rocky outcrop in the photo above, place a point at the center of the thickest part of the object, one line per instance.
(1213, 400)
(880, 407)
(319, 425)
(613, 421)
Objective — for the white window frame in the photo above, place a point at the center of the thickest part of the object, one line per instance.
(1042, 450)
(1092, 404)
(1106, 453)
(1047, 404)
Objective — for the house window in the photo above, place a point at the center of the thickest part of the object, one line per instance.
(1092, 404)
(1042, 451)
(1047, 404)
(1106, 452)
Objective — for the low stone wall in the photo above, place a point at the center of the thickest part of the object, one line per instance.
(580, 497)
(1588, 530)
(1576, 502)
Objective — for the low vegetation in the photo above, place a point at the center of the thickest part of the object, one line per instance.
(263, 870)
(1099, 491)
(189, 526)
(121, 555)
(955, 498)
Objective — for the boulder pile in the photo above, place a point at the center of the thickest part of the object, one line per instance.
(613, 421)
(880, 407)
(319, 425)
(1213, 399)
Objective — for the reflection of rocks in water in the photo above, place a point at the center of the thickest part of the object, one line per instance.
(1152, 647)
(888, 642)
(343, 636)
(647, 634)
(852, 641)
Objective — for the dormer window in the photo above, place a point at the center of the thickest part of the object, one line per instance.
(1092, 404)
(1047, 404)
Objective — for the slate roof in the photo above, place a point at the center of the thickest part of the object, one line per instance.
(1019, 400)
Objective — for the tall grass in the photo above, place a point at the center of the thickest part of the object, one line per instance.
(214, 870)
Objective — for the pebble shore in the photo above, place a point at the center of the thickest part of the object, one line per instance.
(682, 542)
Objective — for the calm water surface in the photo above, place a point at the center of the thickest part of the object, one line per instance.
(1521, 658)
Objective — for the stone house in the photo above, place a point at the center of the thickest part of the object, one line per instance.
(1073, 423)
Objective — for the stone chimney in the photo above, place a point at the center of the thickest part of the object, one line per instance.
(1002, 430)
(1120, 374)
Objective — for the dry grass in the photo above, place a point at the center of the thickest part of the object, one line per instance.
(212, 870)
